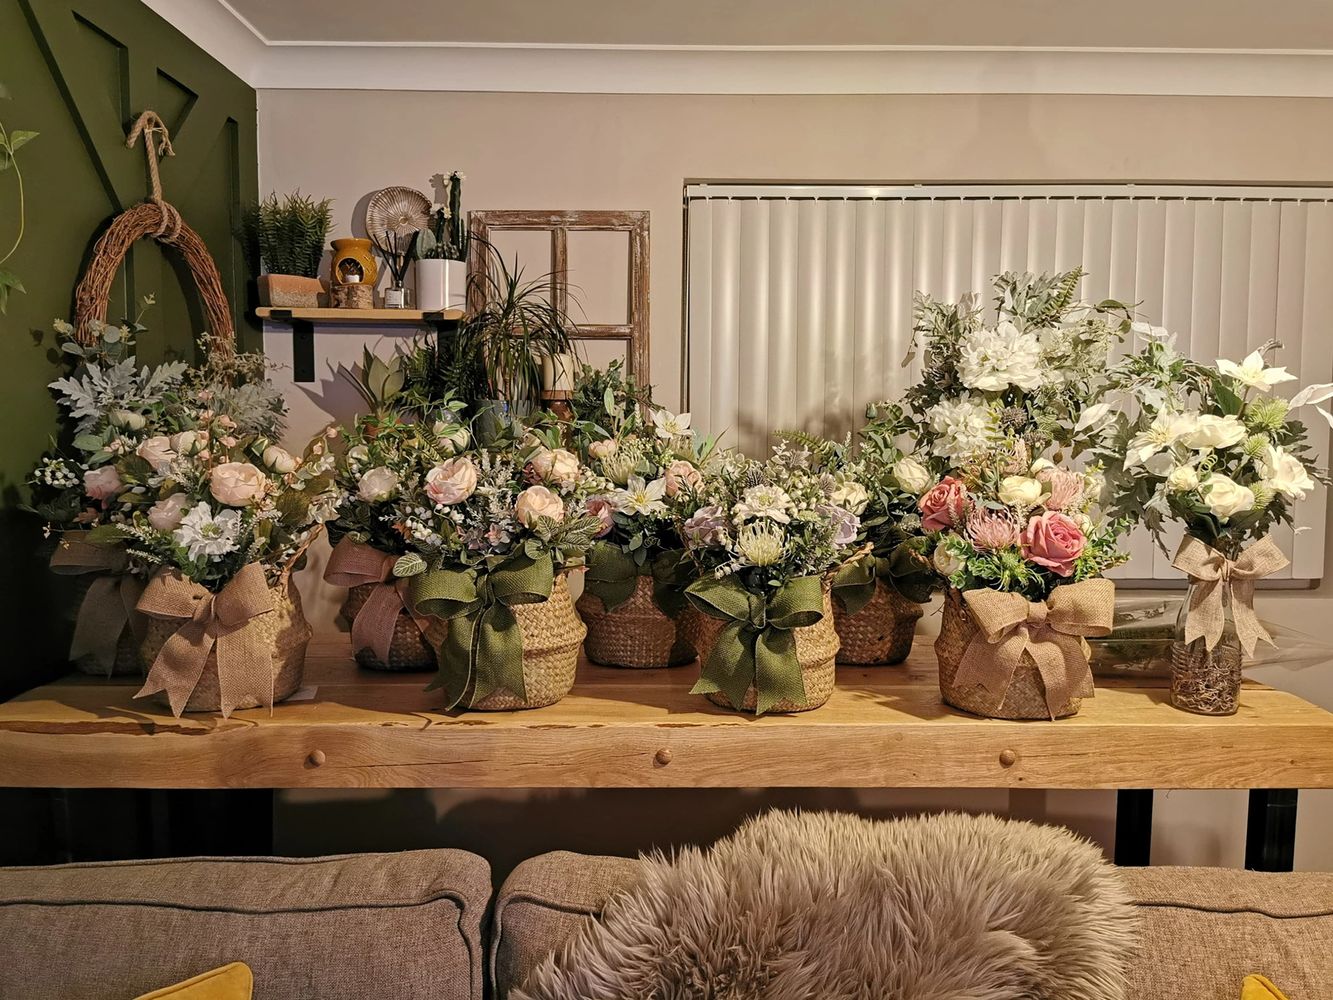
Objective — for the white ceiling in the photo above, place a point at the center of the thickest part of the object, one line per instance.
(1224, 48)
(1174, 24)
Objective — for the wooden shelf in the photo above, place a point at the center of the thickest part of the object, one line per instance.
(411, 317)
(884, 727)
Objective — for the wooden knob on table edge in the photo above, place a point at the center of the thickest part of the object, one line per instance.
(1008, 758)
(316, 758)
(662, 758)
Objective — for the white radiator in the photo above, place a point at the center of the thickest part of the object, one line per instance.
(799, 297)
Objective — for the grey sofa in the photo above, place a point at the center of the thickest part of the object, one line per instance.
(417, 924)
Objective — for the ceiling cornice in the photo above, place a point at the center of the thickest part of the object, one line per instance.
(586, 69)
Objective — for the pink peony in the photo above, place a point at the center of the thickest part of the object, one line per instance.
(535, 502)
(681, 475)
(944, 506)
(1053, 540)
(1066, 488)
(102, 483)
(236, 484)
(600, 508)
(989, 529)
(452, 481)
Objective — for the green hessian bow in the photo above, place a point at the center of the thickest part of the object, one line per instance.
(483, 650)
(613, 574)
(756, 648)
(902, 569)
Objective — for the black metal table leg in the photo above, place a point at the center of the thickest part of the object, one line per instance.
(1133, 827)
(1270, 837)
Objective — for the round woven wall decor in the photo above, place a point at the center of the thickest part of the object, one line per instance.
(159, 221)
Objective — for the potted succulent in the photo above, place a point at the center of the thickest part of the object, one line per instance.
(285, 237)
(1023, 550)
(444, 239)
(633, 591)
(766, 539)
(1211, 448)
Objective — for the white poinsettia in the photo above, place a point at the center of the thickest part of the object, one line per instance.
(961, 427)
(1285, 473)
(203, 534)
(764, 500)
(1254, 373)
(1165, 430)
(994, 360)
(671, 425)
(640, 497)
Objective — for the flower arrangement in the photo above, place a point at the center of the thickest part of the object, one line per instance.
(1210, 447)
(1036, 374)
(764, 537)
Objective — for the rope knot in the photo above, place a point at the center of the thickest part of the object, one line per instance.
(149, 125)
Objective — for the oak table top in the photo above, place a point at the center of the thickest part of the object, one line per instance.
(884, 727)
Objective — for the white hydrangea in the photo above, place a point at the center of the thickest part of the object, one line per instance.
(994, 360)
(961, 427)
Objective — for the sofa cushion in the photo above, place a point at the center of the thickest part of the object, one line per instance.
(1203, 929)
(340, 928)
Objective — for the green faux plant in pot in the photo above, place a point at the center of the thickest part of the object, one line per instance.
(285, 238)
(633, 592)
(766, 539)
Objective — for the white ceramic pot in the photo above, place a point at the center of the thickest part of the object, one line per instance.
(432, 285)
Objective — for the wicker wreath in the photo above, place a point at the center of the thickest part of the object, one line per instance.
(159, 220)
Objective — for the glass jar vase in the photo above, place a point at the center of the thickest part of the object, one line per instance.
(1206, 681)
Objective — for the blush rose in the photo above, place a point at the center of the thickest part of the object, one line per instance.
(944, 506)
(1053, 540)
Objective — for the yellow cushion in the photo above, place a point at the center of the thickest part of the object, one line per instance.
(231, 982)
(1259, 988)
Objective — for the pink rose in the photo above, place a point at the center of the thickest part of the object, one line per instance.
(165, 515)
(236, 484)
(102, 483)
(944, 506)
(535, 502)
(157, 452)
(602, 450)
(1053, 540)
(600, 508)
(452, 481)
(681, 475)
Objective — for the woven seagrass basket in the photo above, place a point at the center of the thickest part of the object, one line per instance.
(126, 662)
(881, 632)
(552, 636)
(637, 634)
(411, 647)
(816, 650)
(286, 632)
(1026, 697)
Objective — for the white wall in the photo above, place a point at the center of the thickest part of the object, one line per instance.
(554, 151)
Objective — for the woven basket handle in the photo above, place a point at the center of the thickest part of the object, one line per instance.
(160, 221)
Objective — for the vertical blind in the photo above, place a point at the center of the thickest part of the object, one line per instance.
(799, 298)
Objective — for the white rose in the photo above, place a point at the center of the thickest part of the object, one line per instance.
(165, 515)
(184, 443)
(1020, 491)
(129, 420)
(555, 465)
(156, 451)
(377, 484)
(280, 459)
(1225, 498)
(601, 450)
(1285, 473)
(851, 495)
(1213, 432)
(946, 562)
(455, 436)
(912, 476)
(1182, 479)
(1041, 463)
(357, 454)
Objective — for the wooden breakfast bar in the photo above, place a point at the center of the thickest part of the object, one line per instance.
(885, 727)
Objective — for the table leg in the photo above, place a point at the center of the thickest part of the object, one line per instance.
(1270, 838)
(1133, 827)
(303, 350)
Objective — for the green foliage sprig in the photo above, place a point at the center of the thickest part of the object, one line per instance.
(10, 144)
(286, 235)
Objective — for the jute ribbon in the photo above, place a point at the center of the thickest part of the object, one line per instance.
(613, 574)
(354, 564)
(757, 646)
(108, 606)
(1050, 632)
(1214, 574)
(483, 650)
(902, 569)
(224, 624)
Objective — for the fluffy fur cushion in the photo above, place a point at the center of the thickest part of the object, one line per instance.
(831, 906)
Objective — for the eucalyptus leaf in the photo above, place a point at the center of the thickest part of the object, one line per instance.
(20, 137)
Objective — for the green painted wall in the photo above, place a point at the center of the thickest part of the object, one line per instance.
(80, 72)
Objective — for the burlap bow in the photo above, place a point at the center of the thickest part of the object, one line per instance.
(903, 569)
(354, 564)
(1010, 625)
(1214, 574)
(108, 606)
(756, 648)
(223, 623)
(613, 574)
(483, 650)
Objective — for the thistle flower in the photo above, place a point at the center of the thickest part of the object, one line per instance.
(1255, 445)
(1263, 495)
(1267, 414)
